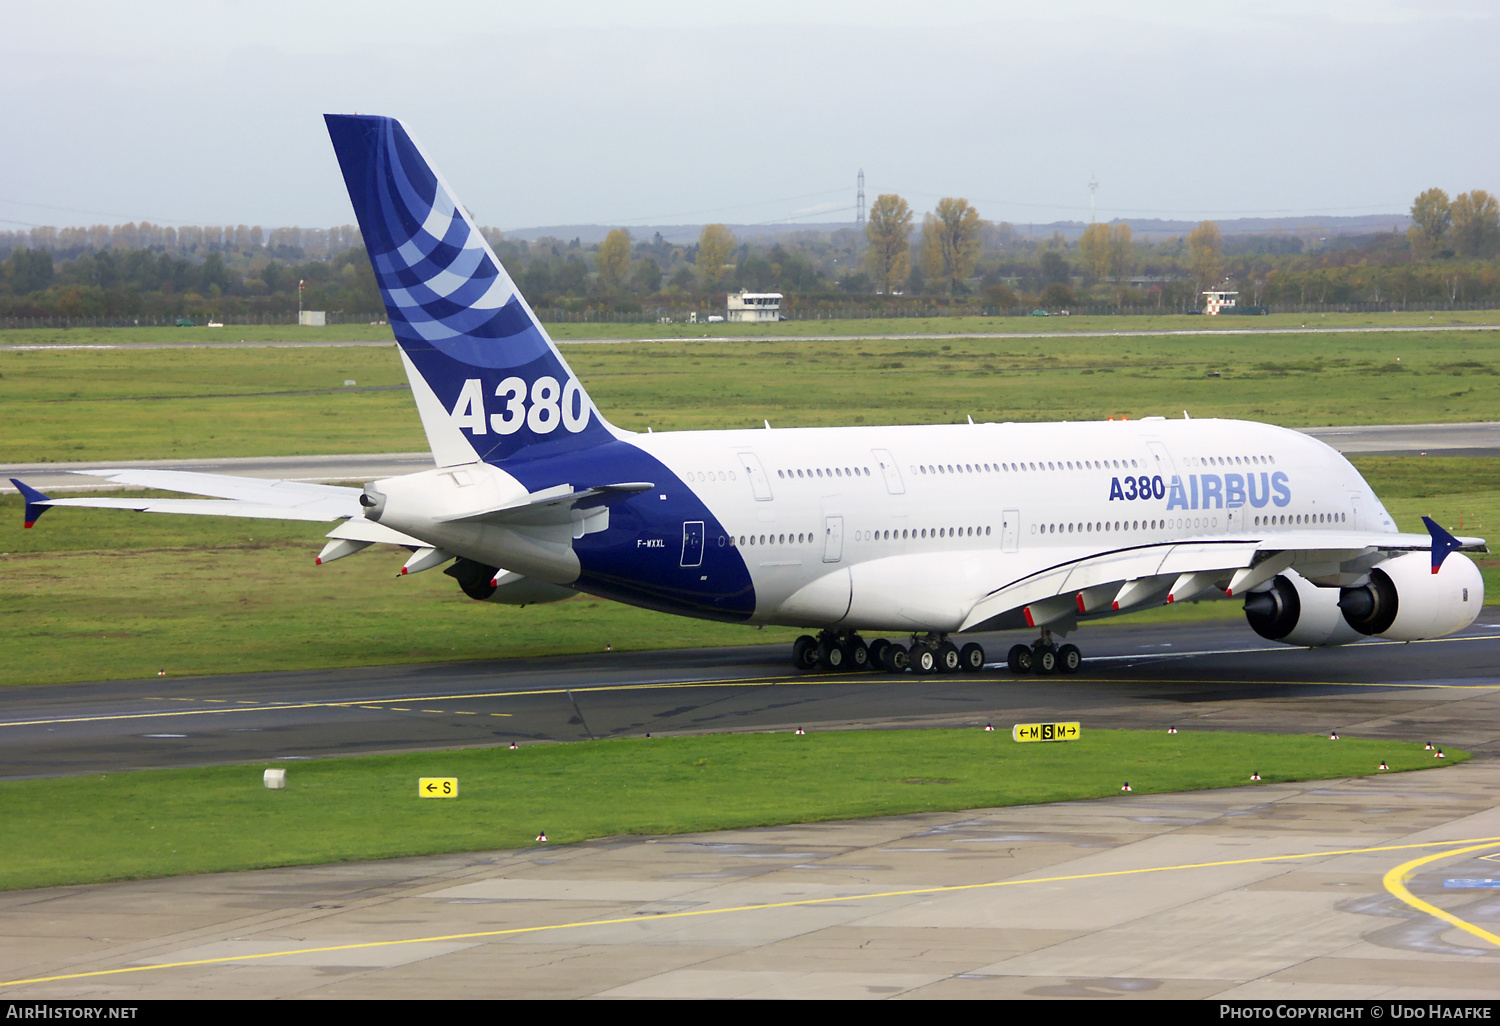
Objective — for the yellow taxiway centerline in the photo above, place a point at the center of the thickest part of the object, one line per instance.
(1397, 874)
(1395, 882)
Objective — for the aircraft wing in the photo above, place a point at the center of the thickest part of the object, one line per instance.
(1177, 571)
(233, 496)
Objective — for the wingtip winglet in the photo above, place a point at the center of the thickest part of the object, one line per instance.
(36, 502)
(1442, 543)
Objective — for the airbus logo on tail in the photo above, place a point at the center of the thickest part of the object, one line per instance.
(542, 406)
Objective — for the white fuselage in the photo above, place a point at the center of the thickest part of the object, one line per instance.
(892, 506)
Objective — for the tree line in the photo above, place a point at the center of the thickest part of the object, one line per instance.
(1449, 254)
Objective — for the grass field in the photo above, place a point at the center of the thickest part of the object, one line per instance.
(166, 823)
(112, 404)
(106, 594)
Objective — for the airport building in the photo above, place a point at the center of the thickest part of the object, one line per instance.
(754, 307)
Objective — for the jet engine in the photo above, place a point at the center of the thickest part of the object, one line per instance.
(1293, 610)
(1405, 601)
(480, 582)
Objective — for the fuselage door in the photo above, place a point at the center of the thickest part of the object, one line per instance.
(692, 543)
(1010, 530)
(1354, 498)
(759, 483)
(889, 471)
(1161, 461)
(833, 539)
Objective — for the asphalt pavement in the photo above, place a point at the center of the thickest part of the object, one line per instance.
(1217, 675)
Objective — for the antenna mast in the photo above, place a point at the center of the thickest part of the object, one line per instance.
(859, 218)
(1093, 187)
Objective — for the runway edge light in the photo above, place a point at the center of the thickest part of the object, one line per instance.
(275, 779)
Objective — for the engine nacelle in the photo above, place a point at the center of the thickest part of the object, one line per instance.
(478, 582)
(1294, 611)
(1405, 601)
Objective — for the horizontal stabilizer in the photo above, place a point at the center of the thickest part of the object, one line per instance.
(333, 500)
(204, 507)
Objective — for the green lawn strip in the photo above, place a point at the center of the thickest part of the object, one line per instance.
(170, 822)
(96, 405)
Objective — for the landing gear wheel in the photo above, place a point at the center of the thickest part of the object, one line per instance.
(859, 655)
(894, 658)
(948, 659)
(877, 653)
(924, 660)
(832, 655)
(805, 652)
(1019, 660)
(1043, 658)
(971, 658)
(1069, 659)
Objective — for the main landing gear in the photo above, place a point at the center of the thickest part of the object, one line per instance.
(837, 651)
(1044, 657)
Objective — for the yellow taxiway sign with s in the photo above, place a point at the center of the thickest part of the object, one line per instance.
(437, 787)
(1045, 732)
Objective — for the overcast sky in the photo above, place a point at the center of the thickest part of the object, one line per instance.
(207, 111)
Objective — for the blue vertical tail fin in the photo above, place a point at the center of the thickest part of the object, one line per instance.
(489, 382)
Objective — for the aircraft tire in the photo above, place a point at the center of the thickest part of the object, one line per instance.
(895, 658)
(859, 655)
(1069, 659)
(924, 661)
(832, 656)
(972, 657)
(877, 653)
(805, 652)
(1020, 660)
(1043, 659)
(948, 658)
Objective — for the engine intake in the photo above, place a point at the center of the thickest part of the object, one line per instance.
(1294, 611)
(1372, 608)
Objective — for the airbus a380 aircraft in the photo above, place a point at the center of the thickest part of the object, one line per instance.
(919, 532)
